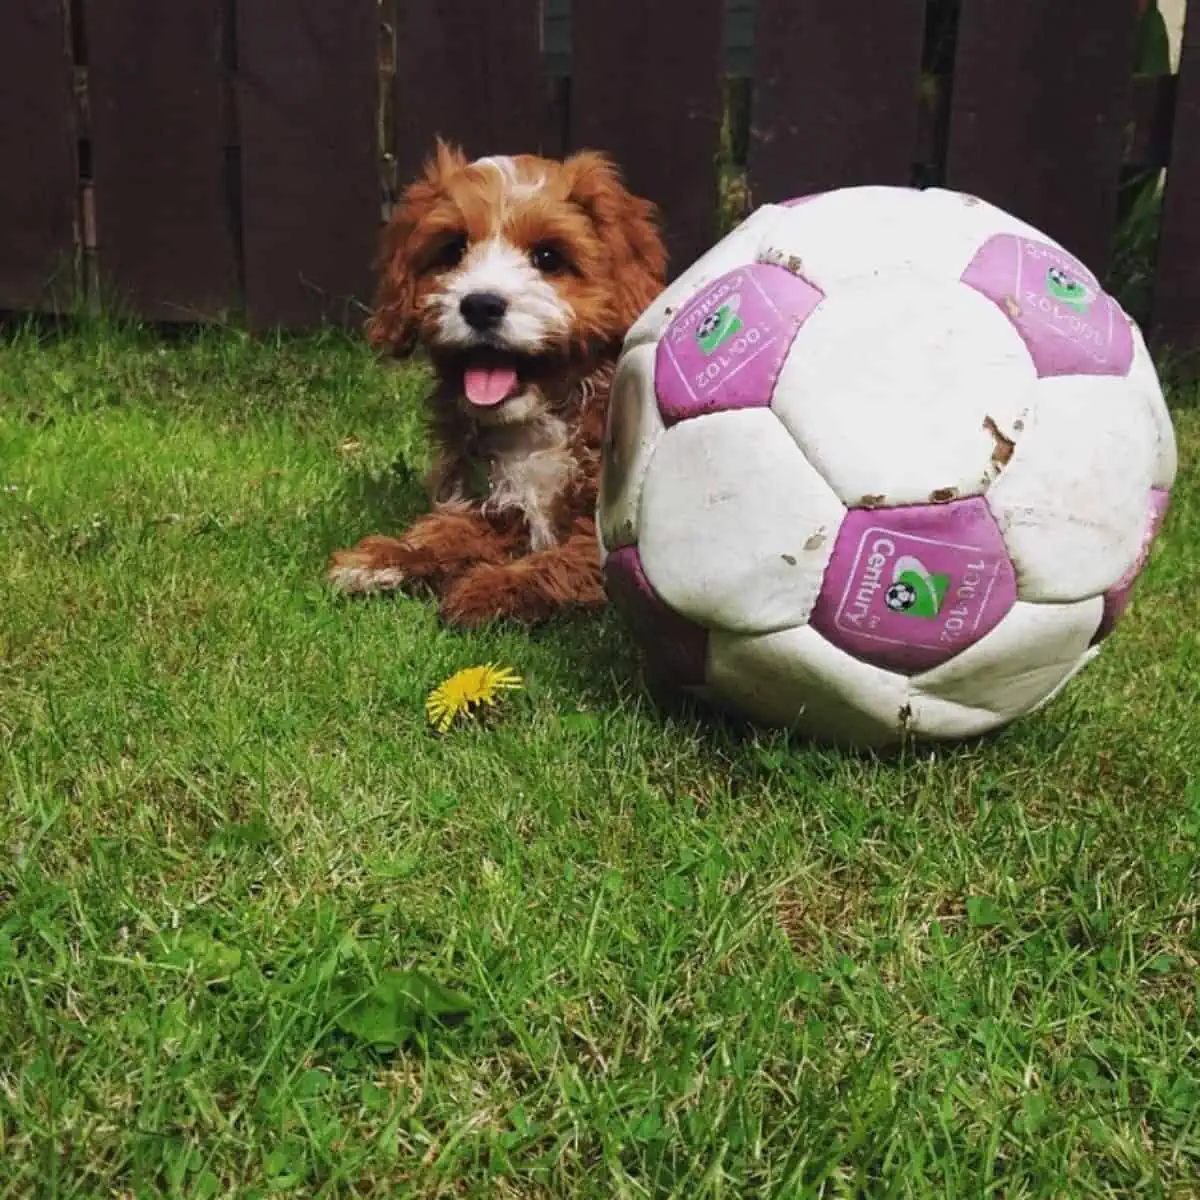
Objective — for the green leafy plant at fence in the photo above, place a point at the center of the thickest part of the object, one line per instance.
(1139, 211)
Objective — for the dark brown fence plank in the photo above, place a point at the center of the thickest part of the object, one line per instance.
(1039, 113)
(311, 191)
(469, 72)
(1177, 292)
(836, 95)
(163, 231)
(646, 89)
(39, 200)
(1153, 101)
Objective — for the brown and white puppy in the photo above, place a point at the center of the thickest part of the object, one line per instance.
(519, 277)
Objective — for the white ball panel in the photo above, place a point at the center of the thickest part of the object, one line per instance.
(1071, 502)
(739, 248)
(736, 528)
(1143, 378)
(1026, 659)
(795, 678)
(634, 428)
(891, 389)
(857, 234)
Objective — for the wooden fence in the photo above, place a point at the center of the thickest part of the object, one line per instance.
(199, 158)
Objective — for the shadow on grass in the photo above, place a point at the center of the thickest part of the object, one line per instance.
(1036, 735)
(366, 502)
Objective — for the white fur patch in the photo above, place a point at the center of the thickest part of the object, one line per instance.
(515, 187)
(530, 469)
(354, 581)
(535, 313)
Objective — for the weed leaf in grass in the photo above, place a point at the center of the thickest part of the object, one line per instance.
(1033, 1115)
(401, 1004)
(983, 912)
(209, 958)
(579, 722)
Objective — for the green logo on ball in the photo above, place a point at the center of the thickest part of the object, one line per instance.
(915, 591)
(1070, 291)
(718, 327)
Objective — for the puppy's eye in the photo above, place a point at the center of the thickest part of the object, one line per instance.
(548, 259)
(449, 254)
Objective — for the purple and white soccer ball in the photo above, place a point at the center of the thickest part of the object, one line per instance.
(882, 461)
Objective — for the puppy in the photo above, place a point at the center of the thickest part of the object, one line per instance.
(519, 277)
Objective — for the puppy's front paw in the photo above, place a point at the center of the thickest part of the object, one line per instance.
(374, 565)
(479, 597)
(500, 591)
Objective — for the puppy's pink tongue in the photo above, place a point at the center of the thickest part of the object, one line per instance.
(487, 386)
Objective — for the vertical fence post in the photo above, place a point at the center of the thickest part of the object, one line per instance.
(39, 198)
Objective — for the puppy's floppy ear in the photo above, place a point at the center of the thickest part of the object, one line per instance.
(394, 323)
(628, 227)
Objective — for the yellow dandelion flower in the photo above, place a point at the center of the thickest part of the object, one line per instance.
(467, 689)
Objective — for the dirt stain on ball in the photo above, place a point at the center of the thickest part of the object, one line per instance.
(1005, 445)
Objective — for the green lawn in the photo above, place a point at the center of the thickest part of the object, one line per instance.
(687, 960)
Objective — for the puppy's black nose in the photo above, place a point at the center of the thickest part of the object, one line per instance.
(483, 310)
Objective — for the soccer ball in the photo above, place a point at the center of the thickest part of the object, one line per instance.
(882, 462)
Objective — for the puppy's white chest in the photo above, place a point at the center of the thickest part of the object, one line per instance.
(529, 472)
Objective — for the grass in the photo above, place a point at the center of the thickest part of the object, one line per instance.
(607, 951)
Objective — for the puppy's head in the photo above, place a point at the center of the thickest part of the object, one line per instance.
(509, 271)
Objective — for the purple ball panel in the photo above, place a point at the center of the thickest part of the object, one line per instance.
(673, 644)
(908, 588)
(725, 349)
(1116, 599)
(1071, 326)
(796, 201)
